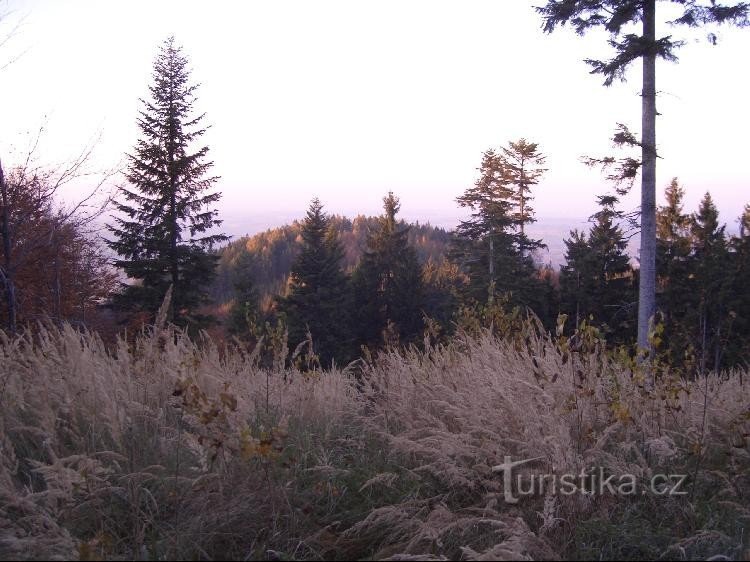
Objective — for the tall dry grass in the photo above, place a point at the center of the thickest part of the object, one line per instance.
(172, 448)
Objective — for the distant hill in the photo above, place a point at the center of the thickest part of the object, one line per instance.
(274, 250)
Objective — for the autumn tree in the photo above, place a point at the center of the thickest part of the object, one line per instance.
(617, 17)
(490, 245)
(244, 315)
(52, 265)
(165, 231)
(523, 168)
(488, 232)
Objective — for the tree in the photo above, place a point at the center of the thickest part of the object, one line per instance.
(163, 234)
(523, 168)
(387, 282)
(38, 234)
(442, 282)
(490, 245)
(673, 245)
(597, 278)
(51, 266)
(244, 316)
(318, 299)
(744, 221)
(710, 284)
(614, 16)
(738, 350)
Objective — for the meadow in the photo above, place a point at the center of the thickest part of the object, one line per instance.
(165, 447)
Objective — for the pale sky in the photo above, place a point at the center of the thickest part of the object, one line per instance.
(346, 100)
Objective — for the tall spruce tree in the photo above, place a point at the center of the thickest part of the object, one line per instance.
(523, 167)
(738, 351)
(387, 282)
(597, 279)
(490, 246)
(673, 251)
(615, 17)
(164, 232)
(319, 298)
(709, 295)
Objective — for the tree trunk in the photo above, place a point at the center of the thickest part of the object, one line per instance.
(647, 287)
(173, 260)
(173, 255)
(8, 276)
(491, 288)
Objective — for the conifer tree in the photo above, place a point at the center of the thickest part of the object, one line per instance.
(164, 232)
(387, 282)
(738, 350)
(597, 278)
(708, 299)
(244, 316)
(744, 221)
(673, 251)
(523, 168)
(615, 17)
(489, 245)
(319, 297)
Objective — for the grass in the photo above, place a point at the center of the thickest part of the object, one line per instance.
(167, 448)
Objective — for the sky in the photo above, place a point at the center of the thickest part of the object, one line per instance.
(346, 100)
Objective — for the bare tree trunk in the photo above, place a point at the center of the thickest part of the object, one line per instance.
(8, 274)
(173, 255)
(647, 287)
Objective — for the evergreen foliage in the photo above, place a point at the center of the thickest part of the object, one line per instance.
(244, 316)
(673, 252)
(164, 234)
(491, 246)
(616, 17)
(274, 250)
(708, 311)
(388, 292)
(597, 280)
(319, 301)
(522, 169)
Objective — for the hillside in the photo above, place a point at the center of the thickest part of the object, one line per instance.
(274, 250)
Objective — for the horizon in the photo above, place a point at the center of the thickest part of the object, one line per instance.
(401, 98)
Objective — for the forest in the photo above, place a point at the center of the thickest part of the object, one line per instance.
(359, 388)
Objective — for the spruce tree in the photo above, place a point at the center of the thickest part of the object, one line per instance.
(523, 168)
(318, 297)
(489, 246)
(387, 282)
(597, 279)
(616, 18)
(164, 232)
(738, 351)
(709, 291)
(673, 251)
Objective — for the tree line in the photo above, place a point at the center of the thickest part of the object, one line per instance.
(267, 256)
(166, 235)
